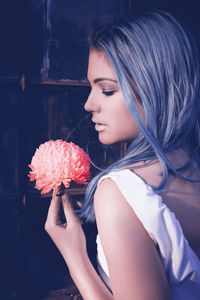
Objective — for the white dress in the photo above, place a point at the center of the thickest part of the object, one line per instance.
(181, 264)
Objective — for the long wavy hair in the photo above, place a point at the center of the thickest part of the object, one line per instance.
(156, 62)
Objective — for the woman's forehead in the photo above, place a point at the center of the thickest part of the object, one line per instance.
(100, 66)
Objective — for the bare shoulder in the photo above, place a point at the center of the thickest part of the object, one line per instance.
(109, 201)
(113, 211)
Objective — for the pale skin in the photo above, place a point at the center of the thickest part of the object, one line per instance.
(135, 269)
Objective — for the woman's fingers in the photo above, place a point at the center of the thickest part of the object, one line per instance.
(68, 209)
(53, 212)
(53, 217)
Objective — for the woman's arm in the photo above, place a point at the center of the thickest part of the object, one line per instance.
(135, 269)
(88, 281)
(70, 240)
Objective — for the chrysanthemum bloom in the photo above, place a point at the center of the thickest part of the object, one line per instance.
(56, 162)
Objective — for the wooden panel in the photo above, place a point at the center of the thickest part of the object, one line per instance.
(58, 34)
(12, 39)
(10, 257)
(11, 189)
(35, 38)
(11, 166)
(70, 23)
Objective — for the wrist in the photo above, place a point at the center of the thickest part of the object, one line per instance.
(77, 261)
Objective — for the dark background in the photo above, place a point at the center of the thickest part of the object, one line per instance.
(43, 87)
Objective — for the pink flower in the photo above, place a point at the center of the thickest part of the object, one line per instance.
(56, 162)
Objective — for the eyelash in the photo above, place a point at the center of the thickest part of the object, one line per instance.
(108, 93)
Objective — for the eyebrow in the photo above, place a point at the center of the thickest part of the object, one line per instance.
(102, 79)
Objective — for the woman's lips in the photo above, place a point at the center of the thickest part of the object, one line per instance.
(99, 127)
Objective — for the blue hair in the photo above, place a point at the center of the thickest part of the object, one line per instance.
(157, 64)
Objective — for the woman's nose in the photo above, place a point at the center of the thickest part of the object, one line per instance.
(90, 104)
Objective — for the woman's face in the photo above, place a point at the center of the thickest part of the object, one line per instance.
(112, 119)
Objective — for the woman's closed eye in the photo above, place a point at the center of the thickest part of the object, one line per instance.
(109, 93)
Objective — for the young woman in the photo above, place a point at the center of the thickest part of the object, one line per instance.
(145, 89)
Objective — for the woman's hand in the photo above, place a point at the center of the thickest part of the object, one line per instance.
(70, 240)
(68, 237)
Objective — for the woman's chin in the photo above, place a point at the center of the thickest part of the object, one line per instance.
(105, 140)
